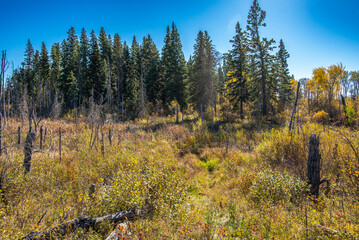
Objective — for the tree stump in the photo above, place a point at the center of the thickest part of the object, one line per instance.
(30, 138)
(314, 165)
(19, 136)
(41, 135)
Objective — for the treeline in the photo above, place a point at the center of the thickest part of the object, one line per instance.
(135, 80)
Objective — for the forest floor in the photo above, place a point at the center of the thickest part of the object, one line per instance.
(204, 180)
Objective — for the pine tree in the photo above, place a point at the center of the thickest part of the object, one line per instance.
(174, 68)
(284, 86)
(105, 46)
(29, 80)
(262, 85)
(35, 95)
(106, 74)
(45, 78)
(72, 87)
(151, 73)
(44, 63)
(203, 86)
(118, 67)
(84, 53)
(126, 67)
(70, 60)
(132, 79)
(97, 83)
(237, 84)
(55, 67)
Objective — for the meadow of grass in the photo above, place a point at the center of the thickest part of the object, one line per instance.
(210, 180)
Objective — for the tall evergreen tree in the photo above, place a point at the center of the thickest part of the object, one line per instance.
(29, 80)
(118, 67)
(70, 60)
(262, 85)
(97, 83)
(132, 79)
(203, 86)
(55, 67)
(84, 53)
(284, 86)
(45, 78)
(237, 85)
(174, 68)
(44, 63)
(151, 70)
(105, 46)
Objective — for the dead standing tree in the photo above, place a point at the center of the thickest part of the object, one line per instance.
(2, 80)
(314, 165)
(28, 148)
(291, 123)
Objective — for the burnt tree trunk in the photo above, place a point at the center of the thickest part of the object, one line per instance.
(110, 136)
(102, 146)
(41, 136)
(45, 136)
(30, 138)
(19, 136)
(345, 109)
(60, 143)
(87, 222)
(314, 165)
(202, 112)
(294, 108)
(177, 113)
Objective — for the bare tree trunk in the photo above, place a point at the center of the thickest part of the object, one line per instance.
(19, 136)
(202, 112)
(30, 138)
(87, 222)
(41, 135)
(345, 109)
(60, 142)
(110, 136)
(102, 146)
(294, 108)
(176, 113)
(314, 165)
(45, 136)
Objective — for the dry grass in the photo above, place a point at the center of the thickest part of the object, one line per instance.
(204, 184)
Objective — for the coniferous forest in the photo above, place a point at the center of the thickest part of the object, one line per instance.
(106, 139)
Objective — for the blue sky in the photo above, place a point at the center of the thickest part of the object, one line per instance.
(316, 32)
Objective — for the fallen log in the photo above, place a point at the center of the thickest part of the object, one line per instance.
(114, 234)
(87, 222)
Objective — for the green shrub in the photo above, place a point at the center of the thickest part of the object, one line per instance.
(273, 187)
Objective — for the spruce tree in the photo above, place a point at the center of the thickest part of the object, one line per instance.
(174, 68)
(45, 78)
(105, 46)
(237, 84)
(151, 70)
(84, 53)
(97, 83)
(126, 66)
(132, 79)
(203, 86)
(284, 86)
(262, 85)
(44, 63)
(29, 76)
(70, 60)
(118, 67)
(55, 67)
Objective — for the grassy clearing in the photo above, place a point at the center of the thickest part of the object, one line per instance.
(206, 181)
